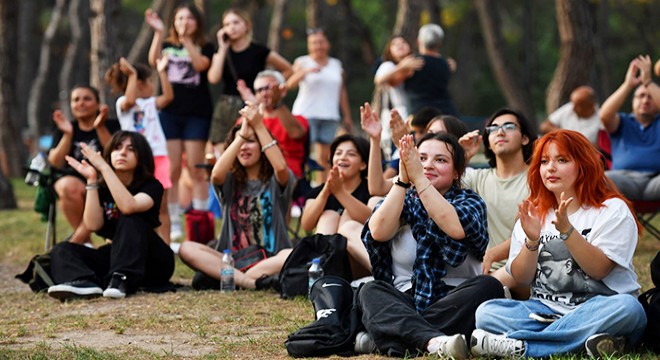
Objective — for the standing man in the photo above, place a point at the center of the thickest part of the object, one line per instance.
(509, 142)
(580, 114)
(635, 136)
(290, 131)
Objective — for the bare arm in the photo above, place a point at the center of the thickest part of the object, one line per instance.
(214, 75)
(293, 127)
(226, 160)
(130, 95)
(272, 152)
(167, 95)
(56, 155)
(279, 63)
(371, 125)
(314, 208)
(297, 75)
(199, 61)
(159, 35)
(345, 107)
(403, 70)
(609, 110)
(547, 127)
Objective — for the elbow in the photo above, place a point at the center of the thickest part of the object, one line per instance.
(306, 223)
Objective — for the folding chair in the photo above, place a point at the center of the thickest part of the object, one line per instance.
(45, 201)
(646, 211)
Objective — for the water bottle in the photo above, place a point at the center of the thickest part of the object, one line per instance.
(227, 272)
(37, 165)
(315, 272)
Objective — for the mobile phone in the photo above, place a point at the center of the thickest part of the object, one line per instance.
(544, 317)
(225, 37)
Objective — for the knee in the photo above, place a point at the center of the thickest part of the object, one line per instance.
(187, 251)
(629, 309)
(485, 314)
(70, 190)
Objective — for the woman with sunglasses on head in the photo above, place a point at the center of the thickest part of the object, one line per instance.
(255, 187)
(573, 244)
(236, 63)
(322, 93)
(122, 205)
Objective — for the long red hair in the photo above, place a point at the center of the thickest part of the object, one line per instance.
(592, 187)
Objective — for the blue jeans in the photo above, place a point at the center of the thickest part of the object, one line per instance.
(617, 315)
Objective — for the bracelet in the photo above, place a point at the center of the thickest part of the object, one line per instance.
(532, 247)
(419, 193)
(93, 186)
(269, 145)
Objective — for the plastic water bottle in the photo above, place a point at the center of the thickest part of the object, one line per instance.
(227, 272)
(37, 165)
(315, 272)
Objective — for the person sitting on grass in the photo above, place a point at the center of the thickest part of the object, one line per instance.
(255, 187)
(122, 205)
(573, 244)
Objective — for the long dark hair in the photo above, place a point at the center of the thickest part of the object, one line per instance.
(240, 175)
(145, 158)
(457, 152)
(525, 130)
(199, 37)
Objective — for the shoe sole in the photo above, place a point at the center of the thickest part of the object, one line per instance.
(113, 294)
(67, 295)
(605, 347)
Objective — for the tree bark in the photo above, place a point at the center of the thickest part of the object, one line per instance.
(39, 83)
(140, 48)
(10, 139)
(66, 78)
(27, 64)
(576, 56)
(104, 18)
(603, 66)
(313, 13)
(513, 91)
(407, 20)
(279, 10)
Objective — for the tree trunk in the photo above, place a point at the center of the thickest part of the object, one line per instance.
(66, 78)
(313, 13)
(434, 10)
(39, 83)
(140, 49)
(104, 18)
(576, 52)
(279, 10)
(10, 140)
(28, 27)
(407, 20)
(513, 91)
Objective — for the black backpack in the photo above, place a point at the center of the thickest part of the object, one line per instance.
(336, 325)
(651, 302)
(334, 261)
(37, 274)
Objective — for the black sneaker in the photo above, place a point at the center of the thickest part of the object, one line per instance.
(78, 289)
(605, 345)
(266, 282)
(117, 287)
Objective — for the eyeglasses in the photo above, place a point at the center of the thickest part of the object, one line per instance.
(262, 89)
(312, 31)
(507, 127)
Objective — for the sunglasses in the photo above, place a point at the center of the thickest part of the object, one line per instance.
(262, 89)
(312, 31)
(507, 127)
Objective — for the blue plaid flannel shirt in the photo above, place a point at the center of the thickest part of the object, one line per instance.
(435, 250)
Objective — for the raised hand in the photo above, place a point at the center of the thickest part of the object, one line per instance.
(161, 64)
(530, 220)
(410, 158)
(633, 75)
(151, 18)
(102, 116)
(126, 68)
(471, 142)
(246, 93)
(370, 121)
(643, 62)
(561, 223)
(62, 123)
(83, 168)
(398, 127)
(253, 113)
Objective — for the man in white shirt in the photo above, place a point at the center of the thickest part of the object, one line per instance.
(580, 114)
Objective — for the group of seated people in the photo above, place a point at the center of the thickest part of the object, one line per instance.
(529, 257)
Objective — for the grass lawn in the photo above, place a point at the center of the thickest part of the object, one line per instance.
(181, 325)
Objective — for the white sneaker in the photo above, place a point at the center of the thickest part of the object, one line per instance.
(484, 343)
(175, 246)
(453, 346)
(364, 344)
(605, 345)
(176, 232)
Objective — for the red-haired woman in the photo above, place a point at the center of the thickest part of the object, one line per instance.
(573, 244)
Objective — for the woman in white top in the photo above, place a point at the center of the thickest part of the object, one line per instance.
(322, 93)
(573, 244)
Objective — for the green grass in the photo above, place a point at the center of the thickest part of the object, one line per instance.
(185, 324)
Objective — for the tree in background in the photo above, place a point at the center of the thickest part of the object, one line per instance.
(10, 140)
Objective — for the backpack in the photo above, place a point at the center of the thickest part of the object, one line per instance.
(651, 302)
(336, 325)
(331, 249)
(37, 274)
(200, 225)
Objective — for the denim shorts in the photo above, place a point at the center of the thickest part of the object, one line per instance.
(179, 127)
(322, 131)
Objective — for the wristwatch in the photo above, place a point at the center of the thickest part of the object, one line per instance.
(565, 235)
(397, 181)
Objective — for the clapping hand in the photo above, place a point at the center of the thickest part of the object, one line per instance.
(161, 64)
(529, 220)
(253, 113)
(102, 116)
(334, 181)
(561, 222)
(409, 157)
(370, 121)
(62, 123)
(151, 17)
(397, 126)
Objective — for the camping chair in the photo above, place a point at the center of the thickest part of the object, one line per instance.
(646, 211)
(45, 201)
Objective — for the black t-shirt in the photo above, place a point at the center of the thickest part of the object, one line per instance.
(429, 86)
(361, 193)
(191, 90)
(151, 187)
(81, 136)
(247, 64)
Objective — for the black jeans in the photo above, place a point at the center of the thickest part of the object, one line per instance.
(398, 329)
(136, 251)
